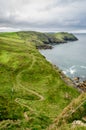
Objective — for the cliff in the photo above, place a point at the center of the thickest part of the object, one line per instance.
(44, 40)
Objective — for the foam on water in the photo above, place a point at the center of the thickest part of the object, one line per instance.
(73, 71)
(84, 67)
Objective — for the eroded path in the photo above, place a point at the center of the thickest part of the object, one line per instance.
(19, 84)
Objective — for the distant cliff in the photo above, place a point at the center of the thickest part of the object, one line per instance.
(44, 40)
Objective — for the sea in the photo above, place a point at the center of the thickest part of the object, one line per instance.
(69, 57)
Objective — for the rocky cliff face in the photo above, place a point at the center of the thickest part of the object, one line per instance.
(42, 40)
(59, 38)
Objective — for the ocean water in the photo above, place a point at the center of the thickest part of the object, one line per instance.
(69, 57)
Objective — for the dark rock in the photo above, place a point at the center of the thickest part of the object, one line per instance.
(44, 47)
(82, 86)
(70, 39)
(76, 79)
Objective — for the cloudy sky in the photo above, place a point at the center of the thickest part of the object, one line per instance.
(43, 15)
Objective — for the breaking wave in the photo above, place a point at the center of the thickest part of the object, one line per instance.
(76, 71)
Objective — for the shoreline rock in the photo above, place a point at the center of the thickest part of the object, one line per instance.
(80, 86)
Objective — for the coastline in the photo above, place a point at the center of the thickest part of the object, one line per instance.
(80, 86)
(76, 81)
(67, 80)
(30, 84)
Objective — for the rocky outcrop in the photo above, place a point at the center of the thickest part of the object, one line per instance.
(78, 123)
(70, 38)
(44, 47)
(80, 85)
(59, 38)
(55, 40)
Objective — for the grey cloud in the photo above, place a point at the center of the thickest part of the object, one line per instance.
(43, 14)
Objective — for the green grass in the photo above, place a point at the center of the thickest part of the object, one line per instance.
(76, 110)
(29, 84)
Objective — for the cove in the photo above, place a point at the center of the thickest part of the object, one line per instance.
(69, 57)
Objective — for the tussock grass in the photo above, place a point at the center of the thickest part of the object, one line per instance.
(76, 110)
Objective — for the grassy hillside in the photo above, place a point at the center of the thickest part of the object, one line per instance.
(75, 111)
(32, 93)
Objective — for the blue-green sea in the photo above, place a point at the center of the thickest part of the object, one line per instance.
(69, 57)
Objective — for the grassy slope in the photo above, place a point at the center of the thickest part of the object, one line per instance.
(76, 110)
(32, 93)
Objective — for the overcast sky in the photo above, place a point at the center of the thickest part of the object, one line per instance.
(43, 15)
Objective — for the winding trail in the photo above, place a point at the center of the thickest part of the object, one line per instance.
(18, 101)
(19, 84)
(29, 90)
(26, 116)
